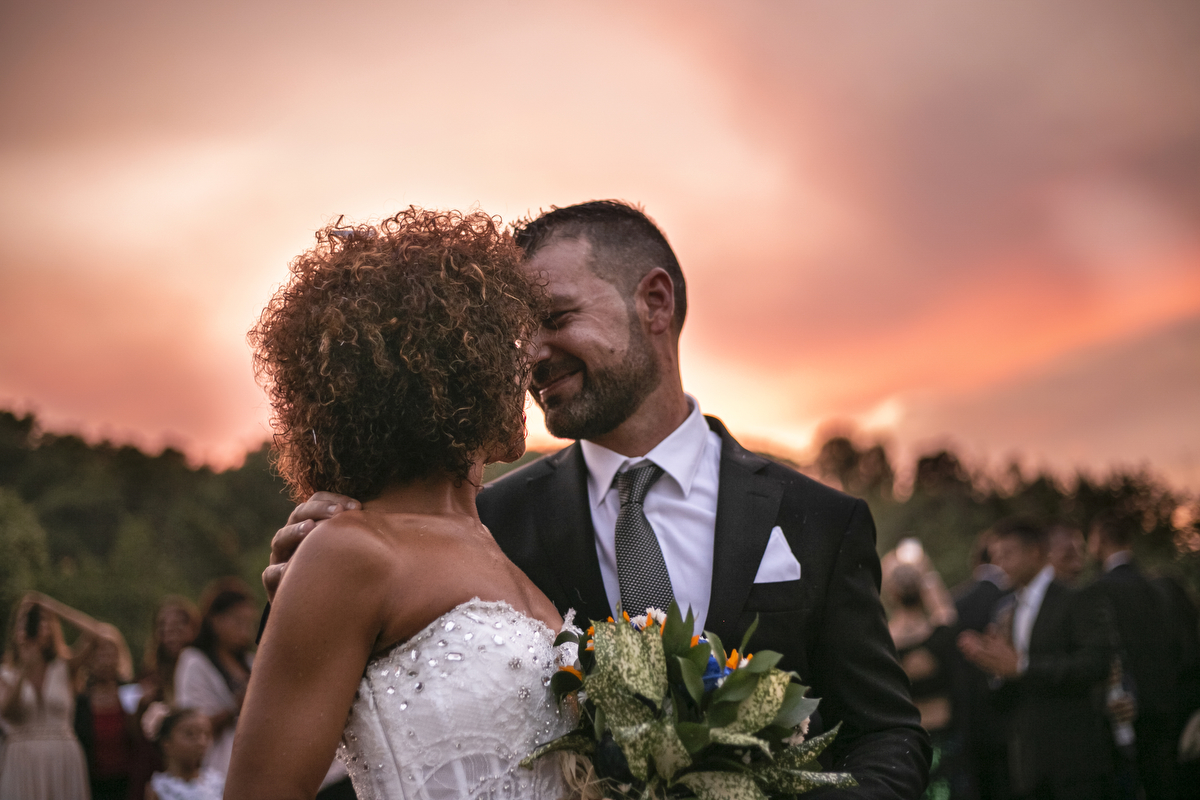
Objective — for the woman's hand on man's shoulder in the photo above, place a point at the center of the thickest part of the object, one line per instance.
(304, 517)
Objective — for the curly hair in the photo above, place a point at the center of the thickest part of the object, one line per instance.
(395, 352)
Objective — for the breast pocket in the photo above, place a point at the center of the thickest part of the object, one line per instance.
(777, 596)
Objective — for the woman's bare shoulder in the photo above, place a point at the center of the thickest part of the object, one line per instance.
(364, 546)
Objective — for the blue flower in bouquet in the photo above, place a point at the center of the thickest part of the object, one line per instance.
(713, 673)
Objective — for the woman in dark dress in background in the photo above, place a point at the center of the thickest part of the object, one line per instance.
(921, 622)
(104, 729)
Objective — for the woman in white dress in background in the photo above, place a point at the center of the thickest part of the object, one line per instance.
(396, 369)
(42, 757)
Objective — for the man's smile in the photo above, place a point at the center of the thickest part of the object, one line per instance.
(551, 378)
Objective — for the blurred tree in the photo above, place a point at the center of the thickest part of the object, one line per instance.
(949, 506)
(23, 551)
(111, 529)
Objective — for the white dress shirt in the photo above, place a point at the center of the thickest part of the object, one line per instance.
(1029, 603)
(681, 506)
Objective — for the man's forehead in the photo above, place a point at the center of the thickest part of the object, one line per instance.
(561, 254)
(565, 267)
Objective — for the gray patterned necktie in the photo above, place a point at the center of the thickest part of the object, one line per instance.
(641, 570)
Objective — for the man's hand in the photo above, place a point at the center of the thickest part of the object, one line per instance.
(990, 651)
(304, 517)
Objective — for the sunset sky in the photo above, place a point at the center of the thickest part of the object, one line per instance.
(945, 223)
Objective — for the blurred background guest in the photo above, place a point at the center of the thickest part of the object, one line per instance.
(1148, 655)
(42, 757)
(103, 727)
(211, 674)
(176, 624)
(921, 621)
(985, 742)
(185, 737)
(1184, 624)
(1049, 655)
(1067, 553)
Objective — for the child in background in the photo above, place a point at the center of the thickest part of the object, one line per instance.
(185, 737)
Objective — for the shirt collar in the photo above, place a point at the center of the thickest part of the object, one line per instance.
(1117, 559)
(1037, 587)
(679, 455)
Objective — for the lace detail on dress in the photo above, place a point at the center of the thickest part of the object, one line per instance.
(449, 713)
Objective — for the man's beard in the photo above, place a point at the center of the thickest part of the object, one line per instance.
(607, 398)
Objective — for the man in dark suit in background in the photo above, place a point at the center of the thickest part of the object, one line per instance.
(1049, 658)
(723, 531)
(986, 744)
(1148, 652)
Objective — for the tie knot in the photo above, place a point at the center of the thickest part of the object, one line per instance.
(633, 484)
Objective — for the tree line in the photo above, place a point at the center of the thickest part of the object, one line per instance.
(110, 529)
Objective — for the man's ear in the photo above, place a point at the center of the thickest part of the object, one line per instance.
(656, 300)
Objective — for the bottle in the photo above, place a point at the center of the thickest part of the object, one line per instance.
(1119, 694)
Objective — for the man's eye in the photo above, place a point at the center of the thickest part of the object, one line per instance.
(555, 321)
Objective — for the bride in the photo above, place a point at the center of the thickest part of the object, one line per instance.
(395, 366)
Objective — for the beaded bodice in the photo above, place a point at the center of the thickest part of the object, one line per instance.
(449, 713)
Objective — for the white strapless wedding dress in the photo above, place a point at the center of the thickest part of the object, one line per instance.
(449, 714)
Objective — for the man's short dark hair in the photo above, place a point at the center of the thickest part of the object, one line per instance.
(1113, 529)
(1027, 529)
(626, 244)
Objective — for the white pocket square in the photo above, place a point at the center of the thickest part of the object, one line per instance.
(778, 562)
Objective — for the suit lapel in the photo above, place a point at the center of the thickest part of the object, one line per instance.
(747, 507)
(564, 529)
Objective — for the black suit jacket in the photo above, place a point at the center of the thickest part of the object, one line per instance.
(1057, 735)
(976, 606)
(1147, 649)
(828, 625)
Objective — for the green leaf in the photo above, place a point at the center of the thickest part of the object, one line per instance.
(677, 633)
(776, 780)
(563, 683)
(621, 709)
(716, 648)
(763, 661)
(738, 739)
(574, 741)
(698, 655)
(722, 786)
(746, 636)
(600, 723)
(693, 679)
(800, 754)
(656, 740)
(721, 714)
(566, 636)
(796, 707)
(737, 686)
(757, 710)
(694, 735)
(635, 658)
(668, 750)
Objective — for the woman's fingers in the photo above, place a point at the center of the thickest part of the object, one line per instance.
(322, 505)
(271, 578)
(304, 517)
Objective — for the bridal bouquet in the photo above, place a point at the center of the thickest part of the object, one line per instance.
(664, 714)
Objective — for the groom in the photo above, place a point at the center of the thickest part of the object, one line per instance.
(654, 501)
